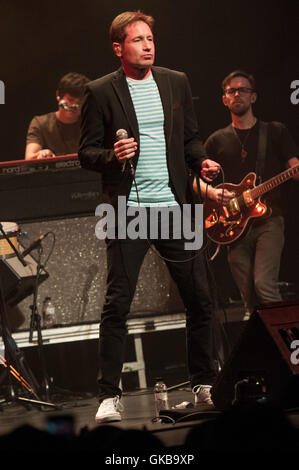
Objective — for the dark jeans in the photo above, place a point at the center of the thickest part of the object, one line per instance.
(124, 260)
(255, 262)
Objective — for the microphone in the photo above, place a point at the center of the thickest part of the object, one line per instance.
(122, 134)
(34, 245)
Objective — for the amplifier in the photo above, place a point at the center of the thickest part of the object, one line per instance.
(77, 274)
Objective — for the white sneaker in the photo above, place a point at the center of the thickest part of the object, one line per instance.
(109, 410)
(202, 396)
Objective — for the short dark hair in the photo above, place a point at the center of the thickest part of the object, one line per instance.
(119, 24)
(72, 83)
(239, 73)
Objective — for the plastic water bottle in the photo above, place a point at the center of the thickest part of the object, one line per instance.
(49, 317)
(161, 397)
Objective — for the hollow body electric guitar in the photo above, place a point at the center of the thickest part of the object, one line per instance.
(226, 223)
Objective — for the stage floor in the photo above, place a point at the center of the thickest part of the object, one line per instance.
(19, 423)
(138, 413)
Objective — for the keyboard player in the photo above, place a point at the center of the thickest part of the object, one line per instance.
(58, 133)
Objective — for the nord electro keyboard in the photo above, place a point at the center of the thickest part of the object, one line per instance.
(22, 167)
(52, 188)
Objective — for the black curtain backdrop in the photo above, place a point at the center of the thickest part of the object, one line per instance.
(40, 41)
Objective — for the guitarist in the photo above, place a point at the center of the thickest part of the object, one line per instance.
(254, 258)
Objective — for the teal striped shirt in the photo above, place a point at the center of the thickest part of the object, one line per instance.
(152, 178)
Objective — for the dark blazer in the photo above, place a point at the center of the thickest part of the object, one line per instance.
(108, 107)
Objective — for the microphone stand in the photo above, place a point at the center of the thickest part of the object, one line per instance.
(36, 323)
(9, 353)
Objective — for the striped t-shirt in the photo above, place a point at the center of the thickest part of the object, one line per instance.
(152, 178)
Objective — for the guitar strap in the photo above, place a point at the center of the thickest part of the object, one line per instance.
(261, 151)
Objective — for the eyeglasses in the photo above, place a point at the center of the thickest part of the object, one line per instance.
(242, 91)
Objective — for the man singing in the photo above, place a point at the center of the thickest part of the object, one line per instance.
(154, 106)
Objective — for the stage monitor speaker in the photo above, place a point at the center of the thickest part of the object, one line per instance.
(266, 350)
(19, 281)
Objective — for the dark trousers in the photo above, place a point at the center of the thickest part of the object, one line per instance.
(124, 260)
(255, 262)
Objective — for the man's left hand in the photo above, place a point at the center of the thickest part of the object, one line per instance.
(209, 170)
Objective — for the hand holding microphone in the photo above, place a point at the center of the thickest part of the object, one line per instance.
(125, 148)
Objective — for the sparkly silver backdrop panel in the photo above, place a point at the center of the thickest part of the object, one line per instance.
(77, 274)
